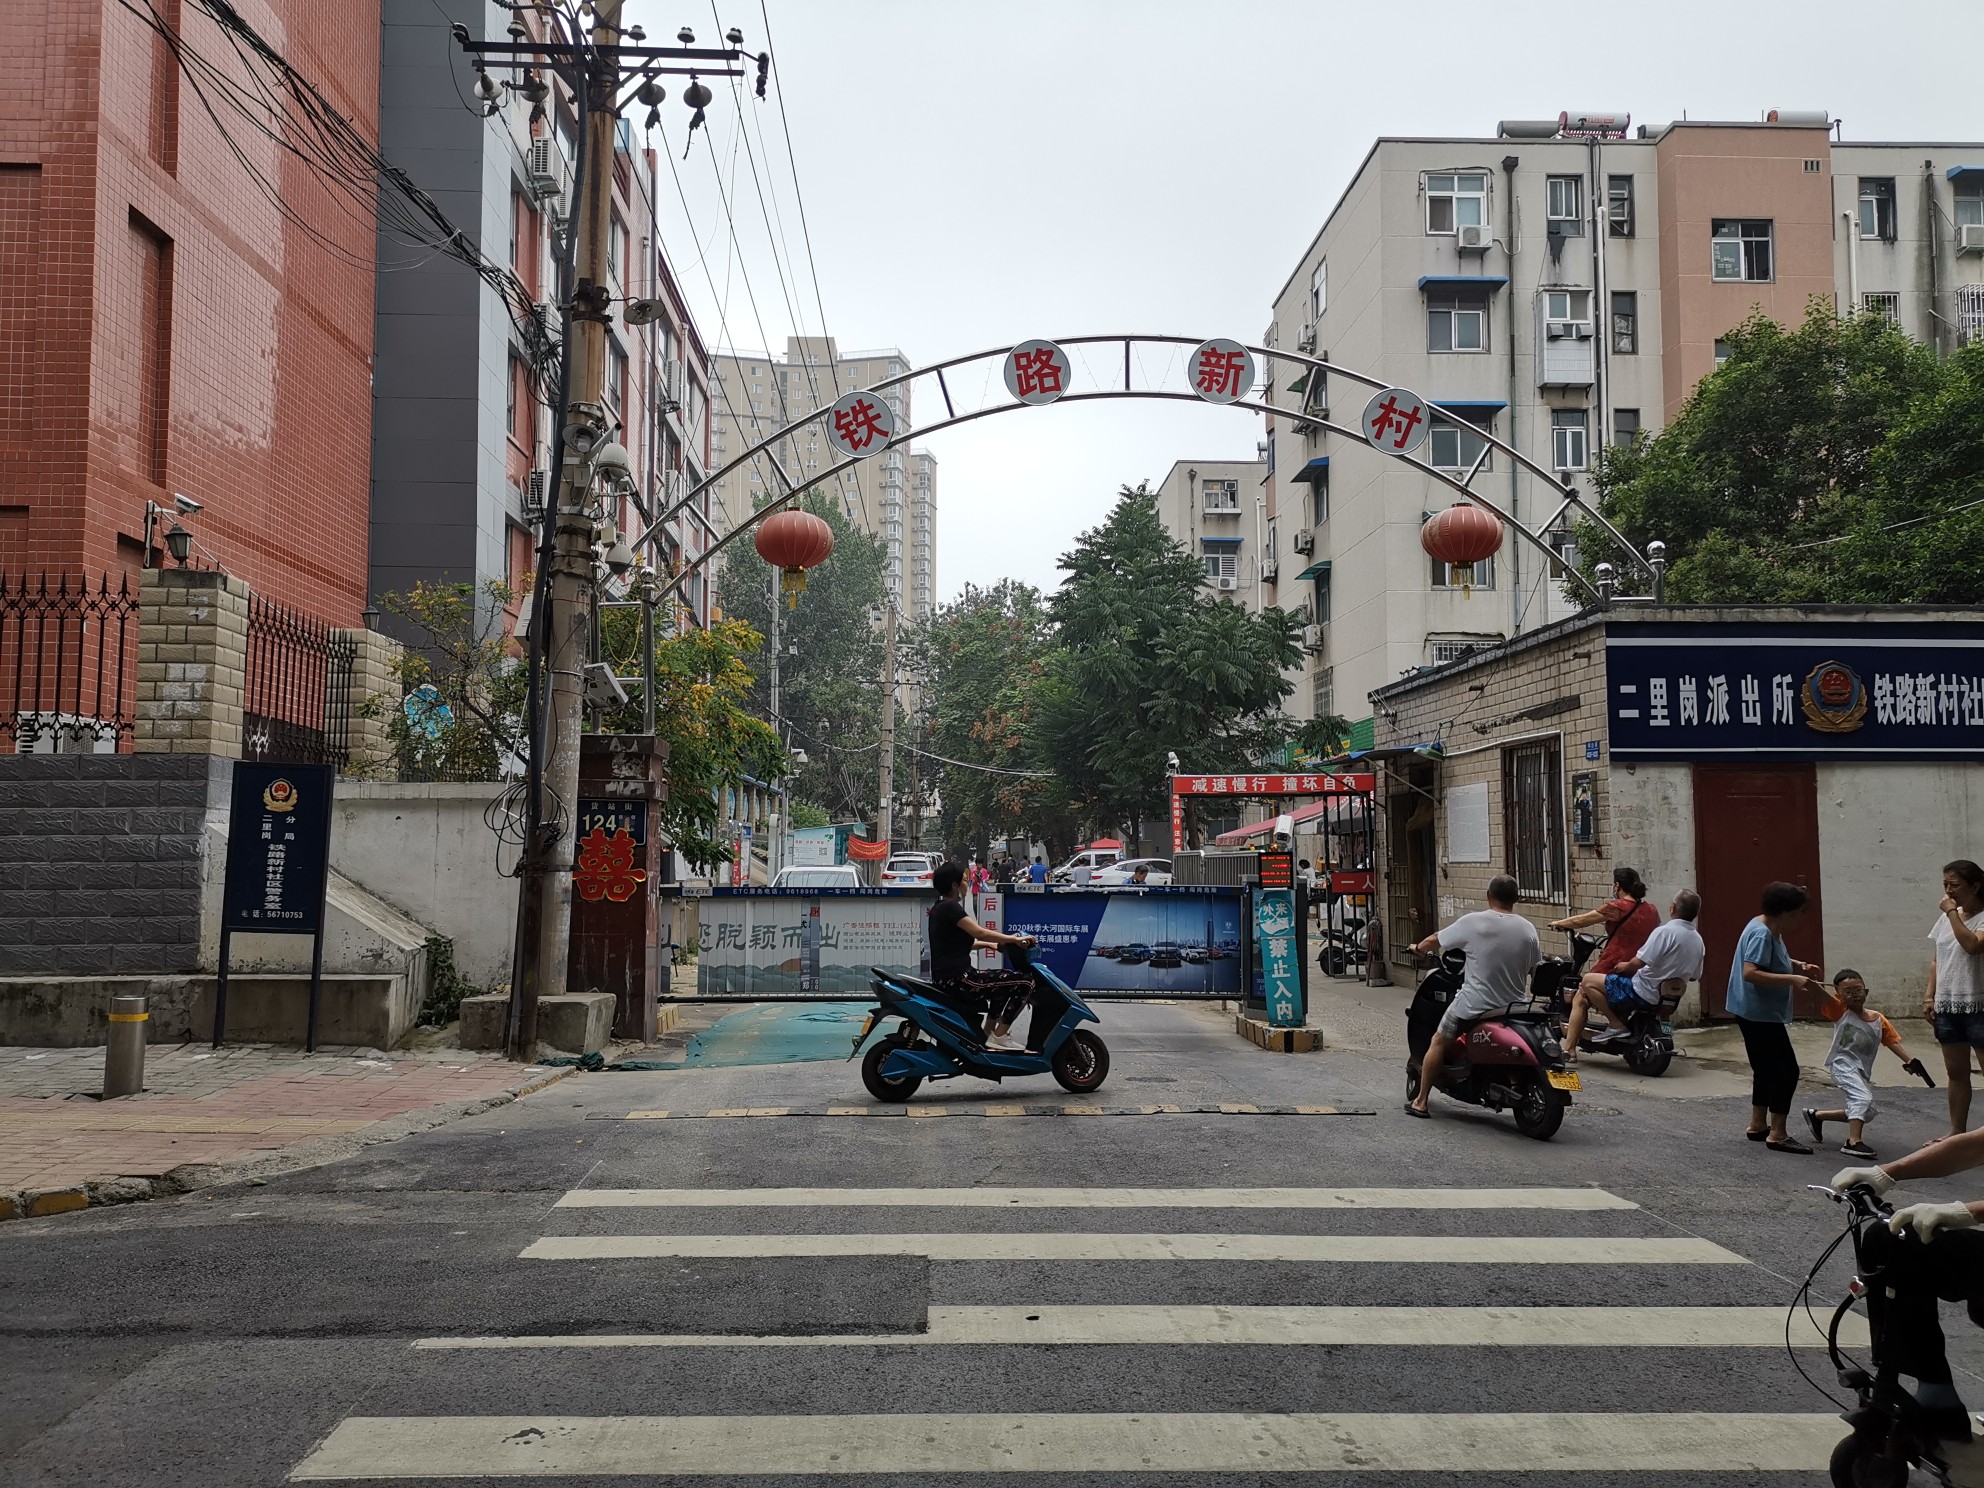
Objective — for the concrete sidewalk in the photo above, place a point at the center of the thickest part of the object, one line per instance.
(1722, 1044)
(211, 1114)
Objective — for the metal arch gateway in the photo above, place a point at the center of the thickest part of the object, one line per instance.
(1463, 485)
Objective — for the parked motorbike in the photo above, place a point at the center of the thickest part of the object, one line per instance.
(1891, 1429)
(1511, 1061)
(1647, 1045)
(937, 1039)
(1344, 949)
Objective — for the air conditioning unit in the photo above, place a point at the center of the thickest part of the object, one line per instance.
(1581, 330)
(1970, 238)
(1307, 340)
(1474, 237)
(1305, 540)
(1226, 583)
(1312, 638)
(1269, 570)
(533, 494)
(1557, 330)
(549, 176)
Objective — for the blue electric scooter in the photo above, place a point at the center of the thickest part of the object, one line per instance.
(937, 1040)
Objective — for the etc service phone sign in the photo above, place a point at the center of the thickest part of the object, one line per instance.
(1893, 690)
(278, 848)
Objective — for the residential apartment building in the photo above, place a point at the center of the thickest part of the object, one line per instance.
(167, 327)
(1217, 510)
(463, 397)
(893, 496)
(1562, 285)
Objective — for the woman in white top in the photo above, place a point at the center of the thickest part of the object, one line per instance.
(1955, 996)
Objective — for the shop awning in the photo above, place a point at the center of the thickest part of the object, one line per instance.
(1314, 571)
(1314, 471)
(1431, 749)
(1220, 540)
(1489, 282)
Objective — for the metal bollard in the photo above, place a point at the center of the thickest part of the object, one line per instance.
(124, 1055)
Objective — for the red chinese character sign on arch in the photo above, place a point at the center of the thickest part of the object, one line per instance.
(1222, 371)
(1037, 372)
(1396, 421)
(861, 424)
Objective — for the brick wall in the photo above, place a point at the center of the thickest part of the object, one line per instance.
(100, 861)
(166, 327)
(1477, 709)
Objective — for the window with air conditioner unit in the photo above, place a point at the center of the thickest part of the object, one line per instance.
(1226, 583)
(1304, 540)
(1220, 566)
(1474, 238)
(1221, 495)
(1567, 314)
(1270, 570)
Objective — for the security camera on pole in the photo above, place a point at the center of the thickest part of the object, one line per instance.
(605, 71)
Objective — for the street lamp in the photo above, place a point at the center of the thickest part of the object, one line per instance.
(179, 543)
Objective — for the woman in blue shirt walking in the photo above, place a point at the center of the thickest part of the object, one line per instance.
(1762, 977)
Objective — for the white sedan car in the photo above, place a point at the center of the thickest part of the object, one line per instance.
(909, 870)
(1118, 874)
(842, 876)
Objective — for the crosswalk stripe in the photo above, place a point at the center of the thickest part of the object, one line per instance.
(1095, 1198)
(1494, 1327)
(1050, 1246)
(1147, 1443)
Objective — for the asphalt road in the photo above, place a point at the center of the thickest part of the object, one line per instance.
(553, 1291)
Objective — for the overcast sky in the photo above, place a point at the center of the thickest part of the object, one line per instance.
(976, 173)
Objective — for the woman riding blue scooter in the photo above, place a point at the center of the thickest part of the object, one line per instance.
(953, 936)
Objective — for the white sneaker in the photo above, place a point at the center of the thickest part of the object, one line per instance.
(1005, 1042)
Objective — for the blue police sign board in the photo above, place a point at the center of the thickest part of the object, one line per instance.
(278, 866)
(1895, 690)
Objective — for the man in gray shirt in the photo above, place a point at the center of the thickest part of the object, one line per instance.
(1502, 950)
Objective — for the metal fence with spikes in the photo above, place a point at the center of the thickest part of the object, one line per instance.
(68, 663)
(296, 704)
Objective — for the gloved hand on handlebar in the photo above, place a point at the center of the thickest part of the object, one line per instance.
(1928, 1219)
(1873, 1178)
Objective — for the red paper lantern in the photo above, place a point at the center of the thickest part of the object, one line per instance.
(1462, 535)
(792, 542)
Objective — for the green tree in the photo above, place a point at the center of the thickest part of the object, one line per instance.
(465, 686)
(830, 668)
(703, 684)
(1149, 663)
(1820, 463)
(983, 654)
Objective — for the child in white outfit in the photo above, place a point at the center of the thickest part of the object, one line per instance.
(1857, 1037)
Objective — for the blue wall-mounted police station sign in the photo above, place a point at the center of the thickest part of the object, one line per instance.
(1892, 690)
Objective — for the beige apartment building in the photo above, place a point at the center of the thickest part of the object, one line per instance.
(1563, 284)
(1217, 510)
(894, 496)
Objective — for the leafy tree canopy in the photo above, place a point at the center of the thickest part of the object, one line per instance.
(1834, 462)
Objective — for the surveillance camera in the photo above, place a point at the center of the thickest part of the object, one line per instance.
(619, 557)
(640, 312)
(187, 504)
(611, 459)
(1171, 762)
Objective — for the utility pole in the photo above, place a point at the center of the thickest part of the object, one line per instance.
(885, 808)
(594, 68)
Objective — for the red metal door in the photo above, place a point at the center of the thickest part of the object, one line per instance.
(1755, 824)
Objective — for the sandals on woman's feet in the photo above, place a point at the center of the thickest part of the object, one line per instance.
(1756, 1136)
(1789, 1144)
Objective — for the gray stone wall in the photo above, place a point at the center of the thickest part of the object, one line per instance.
(100, 861)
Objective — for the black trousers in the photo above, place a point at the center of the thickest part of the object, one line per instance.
(1908, 1333)
(996, 996)
(1773, 1067)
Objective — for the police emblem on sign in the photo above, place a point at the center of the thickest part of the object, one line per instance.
(280, 796)
(1834, 700)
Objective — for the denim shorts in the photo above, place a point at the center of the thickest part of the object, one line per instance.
(1960, 1028)
(1622, 995)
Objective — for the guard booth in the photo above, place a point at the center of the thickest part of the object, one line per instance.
(1335, 829)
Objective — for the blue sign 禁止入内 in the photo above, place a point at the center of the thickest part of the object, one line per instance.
(1900, 690)
(278, 848)
(1281, 970)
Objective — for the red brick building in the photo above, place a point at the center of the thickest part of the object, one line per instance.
(165, 325)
